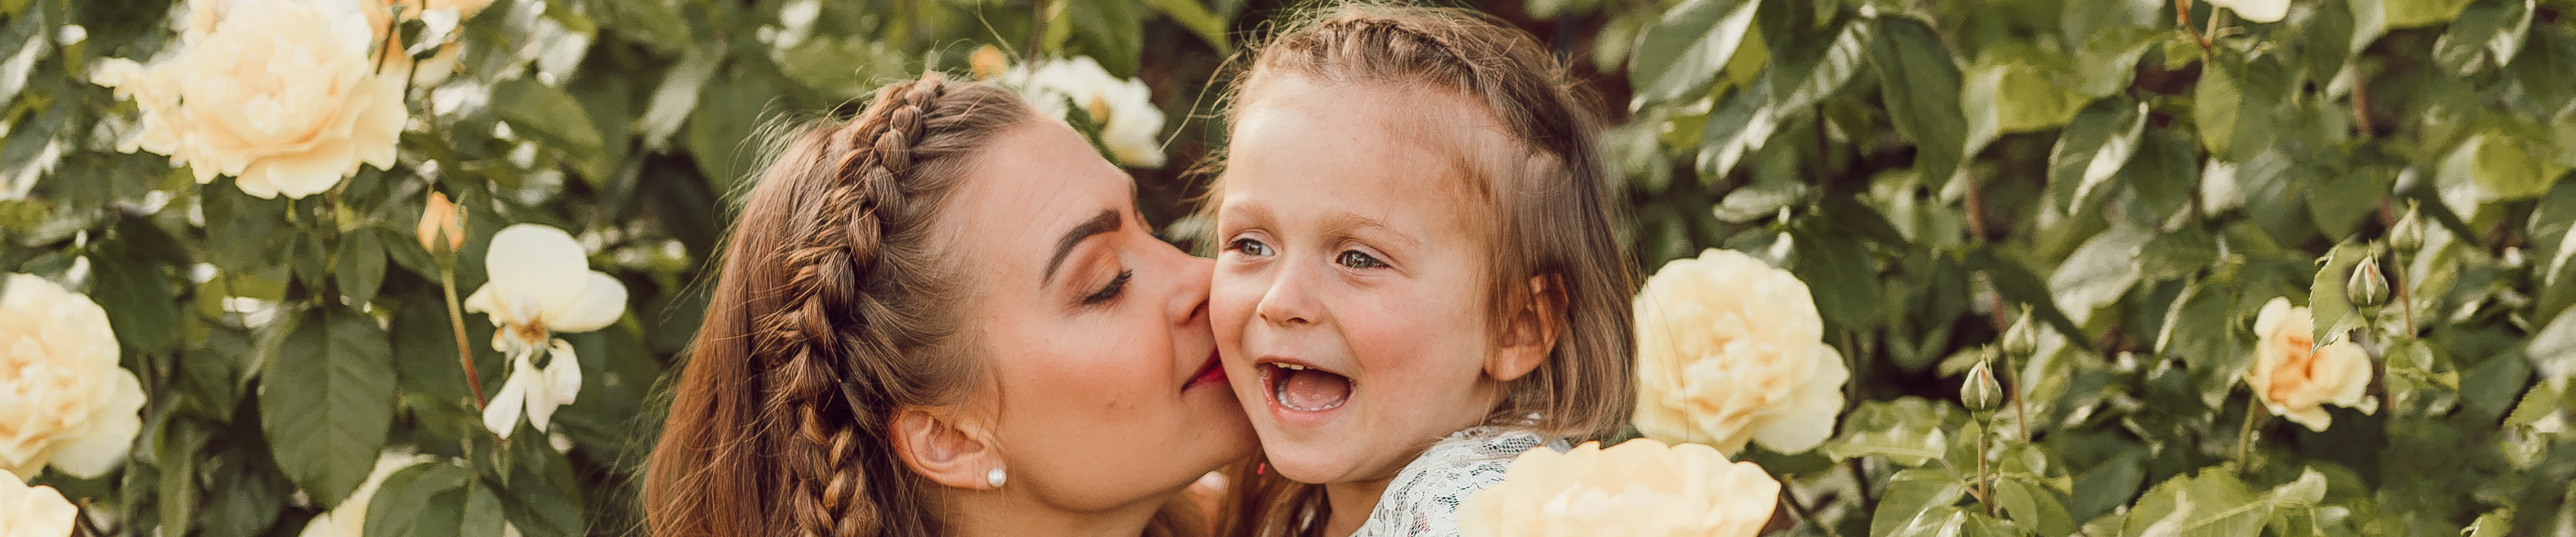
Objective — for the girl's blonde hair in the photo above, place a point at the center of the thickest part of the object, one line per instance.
(1553, 209)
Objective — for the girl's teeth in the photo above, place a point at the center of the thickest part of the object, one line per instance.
(1292, 367)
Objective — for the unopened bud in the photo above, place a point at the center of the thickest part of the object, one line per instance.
(438, 219)
(1980, 392)
(2022, 340)
(2366, 288)
(2408, 235)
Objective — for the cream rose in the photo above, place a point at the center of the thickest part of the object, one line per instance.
(1641, 487)
(1129, 122)
(38, 511)
(281, 94)
(1730, 351)
(63, 399)
(2295, 378)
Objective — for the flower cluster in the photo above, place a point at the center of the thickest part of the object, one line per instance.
(1730, 351)
(283, 95)
(63, 399)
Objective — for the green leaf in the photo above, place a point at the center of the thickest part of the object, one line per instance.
(1909, 431)
(1759, 200)
(2500, 167)
(1837, 265)
(1919, 82)
(1196, 17)
(1112, 32)
(424, 500)
(2211, 504)
(361, 265)
(2094, 147)
(140, 304)
(2099, 272)
(1809, 74)
(2215, 103)
(2333, 312)
(552, 117)
(2008, 93)
(2017, 284)
(2486, 35)
(1686, 48)
(1744, 120)
(2034, 506)
(1914, 499)
(2553, 350)
(2199, 330)
(176, 449)
(677, 95)
(542, 498)
(2109, 59)
(326, 400)
(2497, 523)
(719, 132)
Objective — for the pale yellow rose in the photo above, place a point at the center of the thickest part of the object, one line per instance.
(281, 94)
(541, 285)
(1730, 351)
(1638, 488)
(38, 511)
(2295, 378)
(63, 399)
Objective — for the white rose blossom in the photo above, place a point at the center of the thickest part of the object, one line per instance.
(38, 511)
(63, 399)
(2256, 10)
(283, 95)
(1129, 122)
(1730, 351)
(541, 285)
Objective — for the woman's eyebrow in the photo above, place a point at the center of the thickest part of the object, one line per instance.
(1105, 222)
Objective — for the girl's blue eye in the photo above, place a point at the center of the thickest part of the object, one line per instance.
(1358, 260)
(1248, 247)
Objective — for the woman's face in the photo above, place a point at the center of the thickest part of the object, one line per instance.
(1104, 386)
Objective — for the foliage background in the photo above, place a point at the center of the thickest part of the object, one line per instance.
(1931, 169)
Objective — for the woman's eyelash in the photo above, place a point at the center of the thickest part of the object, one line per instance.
(1110, 290)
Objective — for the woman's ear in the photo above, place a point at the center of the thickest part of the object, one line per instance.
(1530, 334)
(942, 449)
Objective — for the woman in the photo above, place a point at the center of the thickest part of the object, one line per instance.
(945, 317)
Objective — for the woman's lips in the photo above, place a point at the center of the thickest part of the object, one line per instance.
(1210, 373)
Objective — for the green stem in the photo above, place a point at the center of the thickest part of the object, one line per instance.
(1985, 476)
(2245, 435)
(456, 320)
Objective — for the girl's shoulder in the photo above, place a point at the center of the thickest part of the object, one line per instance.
(1423, 499)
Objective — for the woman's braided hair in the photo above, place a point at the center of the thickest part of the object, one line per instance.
(830, 313)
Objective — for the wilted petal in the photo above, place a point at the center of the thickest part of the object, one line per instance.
(602, 301)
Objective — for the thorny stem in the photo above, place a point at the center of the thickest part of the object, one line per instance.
(456, 320)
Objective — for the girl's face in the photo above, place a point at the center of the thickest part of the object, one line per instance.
(1347, 297)
(1106, 391)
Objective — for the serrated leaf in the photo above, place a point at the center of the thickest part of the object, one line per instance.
(677, 95)
(2211, 504)
(2333, 312)
(2098, 272)
(2198, 330)
(361, 265)
(2109, 59)
(554, 118)
(1808, 75)
(2553, 350)
(1915, 499)
(1759, 200)
(1681, 53)
(2034, 507)
(326, 399)
(2095, 144)
(2486, 35)
(1744, 120)
(423, 500)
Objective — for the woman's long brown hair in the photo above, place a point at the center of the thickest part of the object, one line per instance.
(832, 309)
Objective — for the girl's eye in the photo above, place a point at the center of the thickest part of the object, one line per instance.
(1358, 260)
(1248, 247)
(1110, 291)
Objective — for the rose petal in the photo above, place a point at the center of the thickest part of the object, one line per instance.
(111, 432)
(537, 270)
(603, 300)
(503, 414)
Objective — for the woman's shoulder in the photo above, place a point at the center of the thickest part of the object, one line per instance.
(1423, 499)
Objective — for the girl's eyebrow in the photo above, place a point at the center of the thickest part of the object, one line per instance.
(1339, 223)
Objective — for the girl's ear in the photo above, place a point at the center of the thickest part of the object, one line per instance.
(1530, 334)
(944, 450)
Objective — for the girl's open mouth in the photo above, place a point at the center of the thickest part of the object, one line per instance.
(1304, 388)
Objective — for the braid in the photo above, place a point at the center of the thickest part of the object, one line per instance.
(831, 319)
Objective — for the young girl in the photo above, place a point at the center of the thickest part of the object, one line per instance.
(1419, 278)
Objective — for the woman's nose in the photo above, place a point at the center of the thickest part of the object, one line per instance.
(1188, 303)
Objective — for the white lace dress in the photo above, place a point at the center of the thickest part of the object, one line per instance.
(1423, 499)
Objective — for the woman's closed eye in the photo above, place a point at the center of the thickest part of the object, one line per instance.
(1110, 290)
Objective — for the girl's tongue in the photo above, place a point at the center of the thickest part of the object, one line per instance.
(1309, 390)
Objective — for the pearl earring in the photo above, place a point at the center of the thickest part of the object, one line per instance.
(995, 477)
